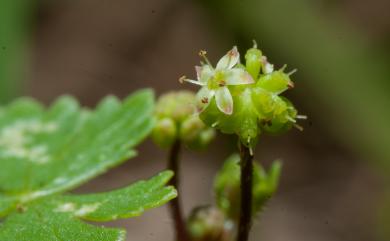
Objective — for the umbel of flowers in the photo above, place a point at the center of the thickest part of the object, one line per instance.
(175, 120)
(244, 99)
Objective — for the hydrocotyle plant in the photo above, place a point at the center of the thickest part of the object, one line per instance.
(47, 152)
(244, 100)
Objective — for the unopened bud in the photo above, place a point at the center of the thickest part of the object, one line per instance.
(275, 82)
(253, 62)
(176, 120)
(176, 105)
(195, 134)
(207, 224)
(164, 132)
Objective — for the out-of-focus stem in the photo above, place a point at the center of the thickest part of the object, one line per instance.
(175, 204)
(246, 193)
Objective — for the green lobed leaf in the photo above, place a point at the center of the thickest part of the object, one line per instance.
(47, 151)
(57, 217)
(127, 202)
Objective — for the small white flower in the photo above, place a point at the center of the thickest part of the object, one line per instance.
(214, 82)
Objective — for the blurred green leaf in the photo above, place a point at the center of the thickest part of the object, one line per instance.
(44, 152)
(56, 218)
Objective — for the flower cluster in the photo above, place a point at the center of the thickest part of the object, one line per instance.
(244, 99)
(176, 121)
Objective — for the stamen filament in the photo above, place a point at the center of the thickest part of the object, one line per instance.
(298, 127)
(292, 72)
(291, 119)
(203, 54)
(302, 117)
(254, 44)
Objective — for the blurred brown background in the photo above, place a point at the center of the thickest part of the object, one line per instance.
(335, 176)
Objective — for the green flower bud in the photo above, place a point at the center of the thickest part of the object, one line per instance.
(208, 224)
(275, 82)
(195, 134)
(284, 117)
(205, 138)
(164, 132)
(227, 186)
(191, 128)
(246, 118)
(176, 105)
(176, 120)
(264, 102)
(253, 62)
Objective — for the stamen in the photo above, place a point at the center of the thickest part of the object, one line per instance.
(298, 127)
(222, 83)
(291, 119)
(254, 44)
(290, 84)
(251, 151)
(292, 72)
(195, 82)
(182, 79)
(249, 139)
(283, 67)
(302, 117)
(215, 124)
(203, 54)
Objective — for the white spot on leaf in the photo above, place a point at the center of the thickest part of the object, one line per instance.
(66, 207)
(77, 211)
(87, 208)
(17, 142)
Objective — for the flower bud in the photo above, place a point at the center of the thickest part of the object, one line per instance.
(164, 132)
(176, 120)
(284, 117)
(275, 82)
(191, 128)
(253, 62)
(176, 105)
(208, 224)
(195, 134)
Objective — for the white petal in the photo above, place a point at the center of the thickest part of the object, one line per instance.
(224, 100)
(203, 98)
(229, 60)
(204, 73)
(195, 82)
(268, 68)
(238, 77)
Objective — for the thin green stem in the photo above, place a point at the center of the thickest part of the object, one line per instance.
(246, 193)
(175, 204)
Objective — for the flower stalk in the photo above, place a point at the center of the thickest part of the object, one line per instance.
(175, 204)
(245, 218)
